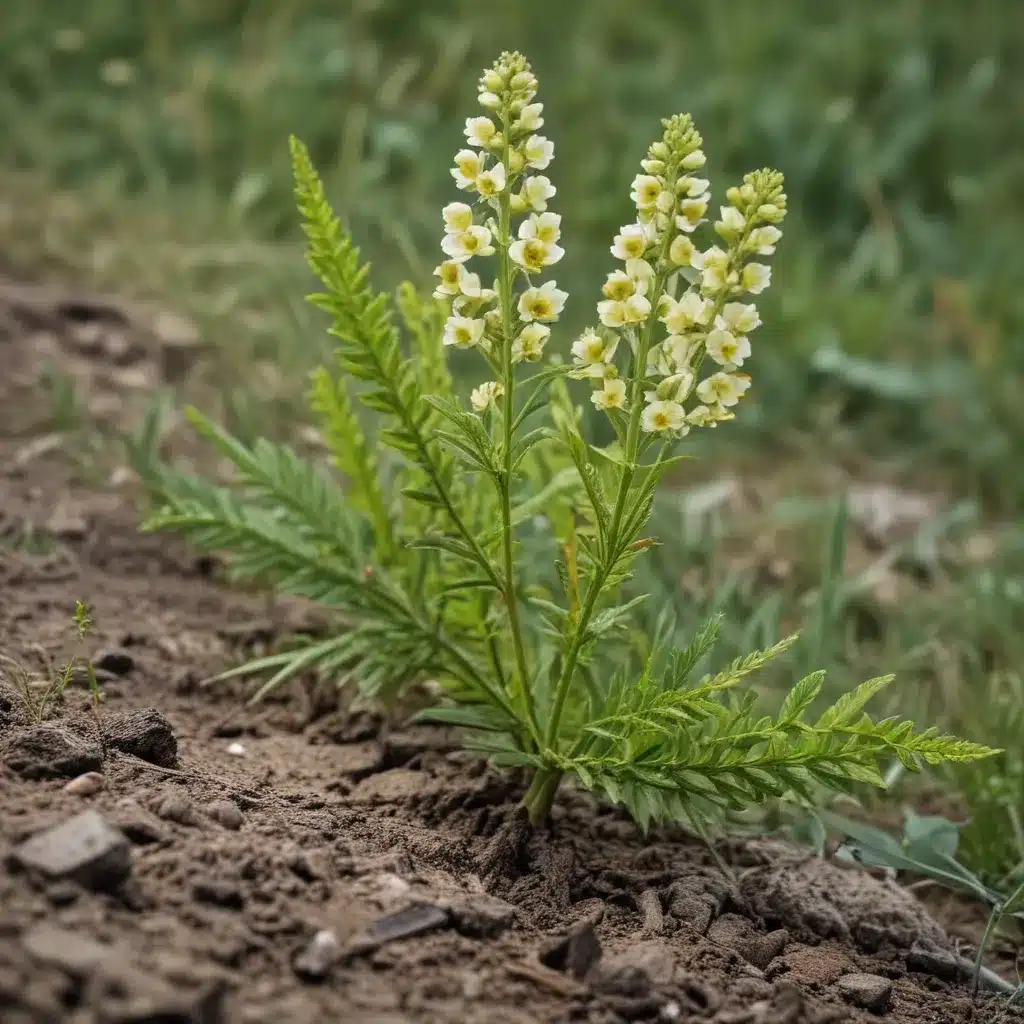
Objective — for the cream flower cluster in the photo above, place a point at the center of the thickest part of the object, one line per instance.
(504, 152)
(709, 320)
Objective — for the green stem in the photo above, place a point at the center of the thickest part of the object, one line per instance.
(612, 552)
(505, 282)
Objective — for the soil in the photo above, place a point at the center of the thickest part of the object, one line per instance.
(173, 855)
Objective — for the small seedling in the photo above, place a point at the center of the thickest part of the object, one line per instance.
(39, 697)
(423, 552)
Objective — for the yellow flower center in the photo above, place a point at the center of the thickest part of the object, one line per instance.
(661, 421)
(534, 252)
(619, 289)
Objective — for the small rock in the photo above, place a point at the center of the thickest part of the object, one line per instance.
(227, 814)
(316, 960)
(85, 848)
(88, 784)
(145, 734)
(868, 991)
(116, 660)
(480, 916)
(933, 960)
(50, 752)
(414, 920)
(141, 827)
(236, 749)
(576, 953)
(220, 892)
(68, 951)
(310, 865)
(176, 806)
(63, 894)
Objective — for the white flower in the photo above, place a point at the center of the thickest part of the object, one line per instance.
(543, 303)
(457, 217)
(618, 313)
(491, 181)
(756, 277)
(484, 397)
(468, 165)
(489, 100)
(692, 187)
(691, 213)
(480, 131)
(738, 317)
(545, 226)
(726, 348)
(659, 416)
(538, 151)
(685, 313)
(530, 344)
(732, 219)
(681, 347)
(762, 240)
(693, 161)
(619, 286)
(673, 388)
(530, 120)
(646, 189)
(469, 286)
(682, 251)
(611, 396)
(474, 241)
(463, 331)
(723, 389)
(537, 190)
(450, 272)
(533, 254)
(642, 274)
(590, 348)
(714, 265)
(630, 243)
(701, 416)
(653, 166)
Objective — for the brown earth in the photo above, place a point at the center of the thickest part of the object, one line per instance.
(301, 862)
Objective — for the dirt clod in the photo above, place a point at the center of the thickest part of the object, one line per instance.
(50, 752)
(115, 660)
(177, 806)
(144, 733)
(85, 848)
(934, 960)
(867, 990)
(227, 814)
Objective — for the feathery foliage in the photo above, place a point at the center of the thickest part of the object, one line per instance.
(486, 547)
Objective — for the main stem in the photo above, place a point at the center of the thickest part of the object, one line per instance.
(541, 795)
(508, 422)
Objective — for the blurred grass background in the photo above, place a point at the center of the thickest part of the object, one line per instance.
(145, 148)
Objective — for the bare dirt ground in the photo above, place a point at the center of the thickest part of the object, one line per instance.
(174, 856)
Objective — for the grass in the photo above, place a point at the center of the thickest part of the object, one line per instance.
(894, 354)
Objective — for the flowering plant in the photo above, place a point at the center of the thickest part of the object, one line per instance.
(421, 554)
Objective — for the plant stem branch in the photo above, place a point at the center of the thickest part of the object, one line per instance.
(505, 283)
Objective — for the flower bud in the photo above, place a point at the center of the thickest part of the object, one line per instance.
(493, 81)
(693, 160)
(489, 100)
(733, 195)
(516, 161)
(524, 81)
(770, 212)
(517, 204)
